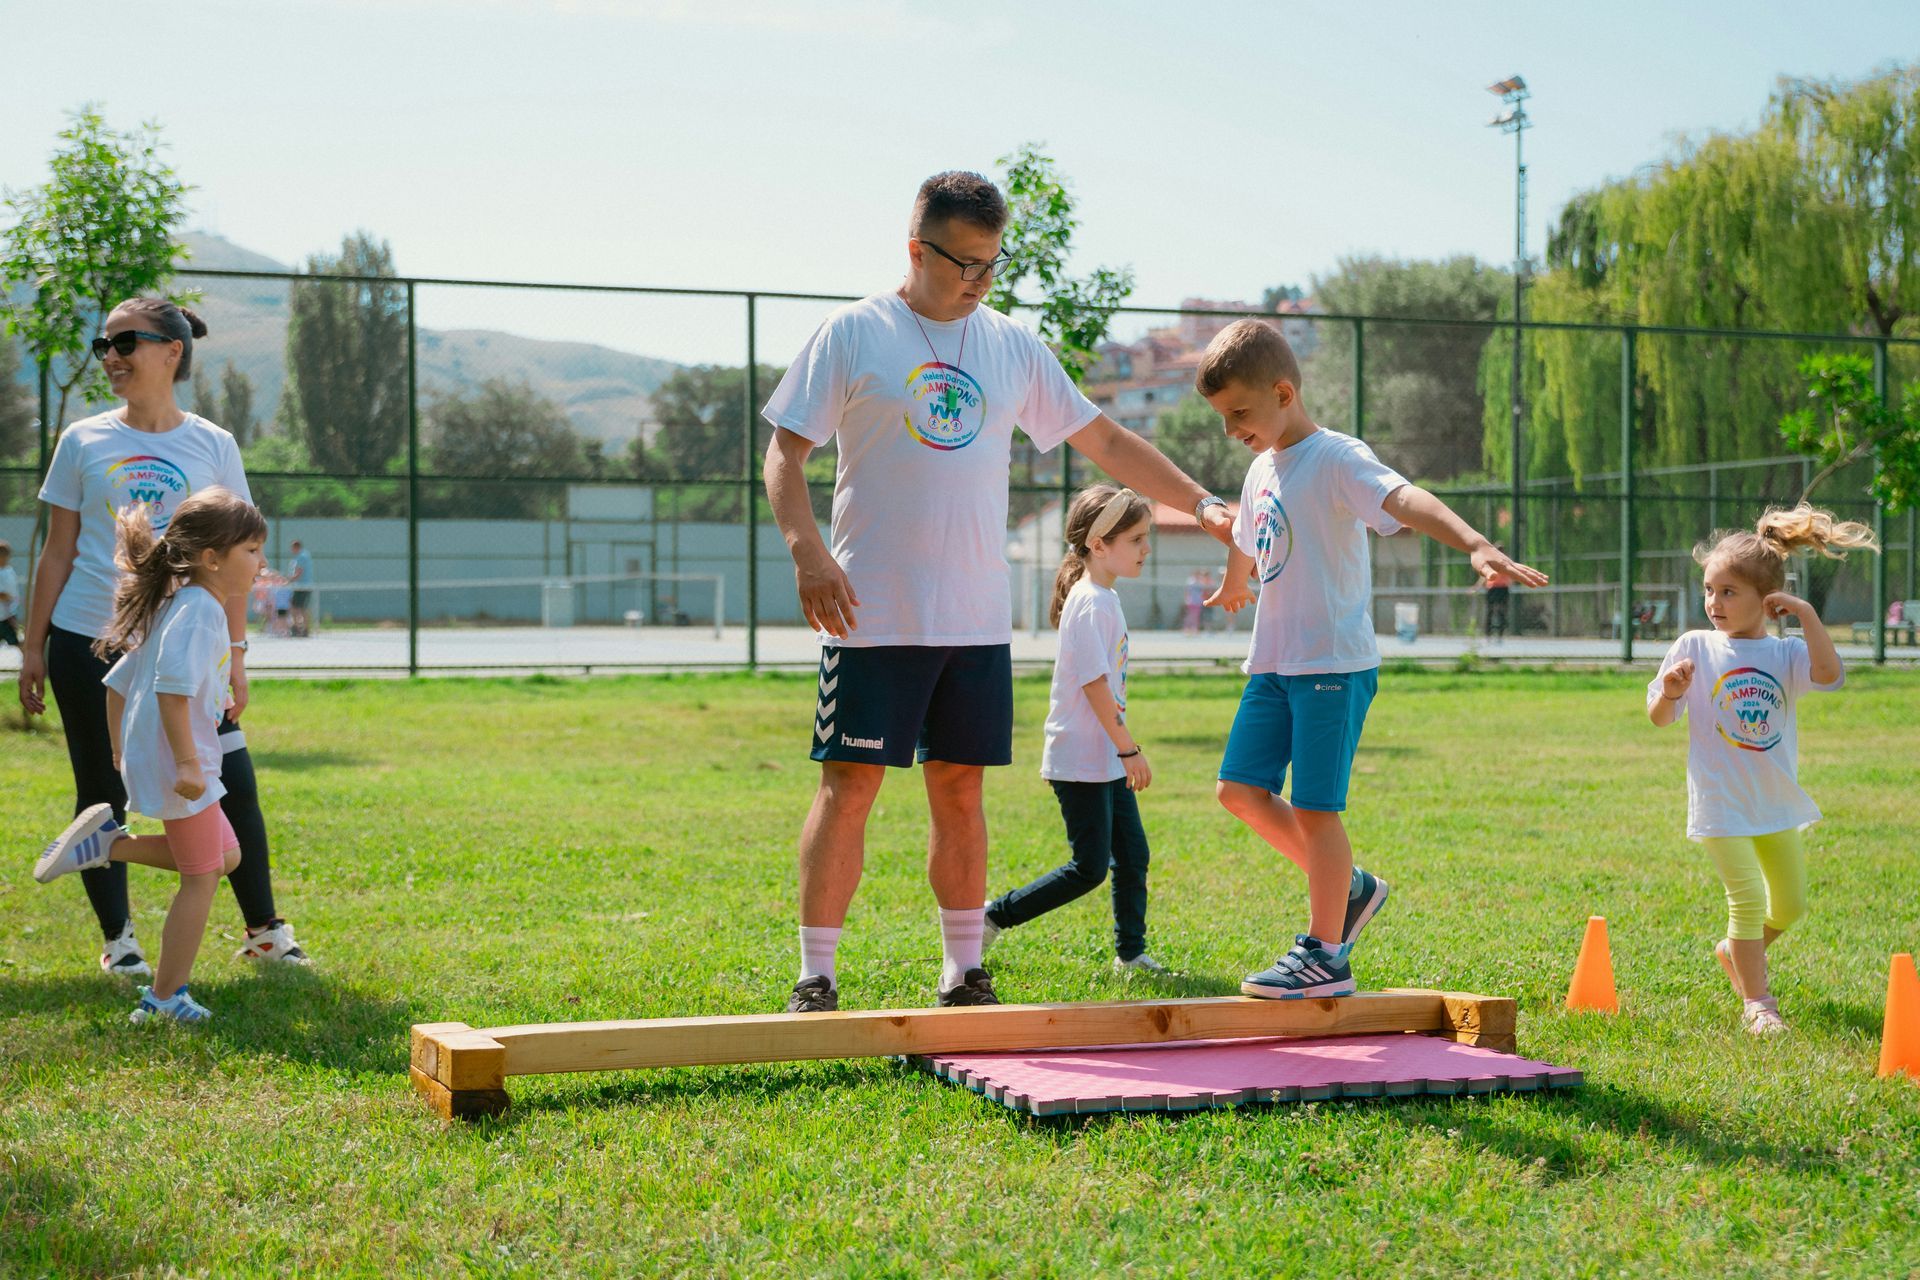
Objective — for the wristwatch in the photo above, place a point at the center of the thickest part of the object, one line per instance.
(1204, 503)
(241, 645)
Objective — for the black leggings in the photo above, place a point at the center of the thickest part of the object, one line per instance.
(76, 675)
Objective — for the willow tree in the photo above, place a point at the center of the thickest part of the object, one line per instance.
(1805, 223)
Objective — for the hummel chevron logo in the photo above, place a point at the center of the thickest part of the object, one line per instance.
(823, 731)
(830, 659)
(828, 686)
(826, 709)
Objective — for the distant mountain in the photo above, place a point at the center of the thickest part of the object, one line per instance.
(605, 392)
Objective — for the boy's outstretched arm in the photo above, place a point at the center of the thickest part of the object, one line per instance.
(1417, 509)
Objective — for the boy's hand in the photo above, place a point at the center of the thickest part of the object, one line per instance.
(188, 782)
(1231, 596)
(1779, 604)
(1139, 776)
(1490, 561)
(1676, 681)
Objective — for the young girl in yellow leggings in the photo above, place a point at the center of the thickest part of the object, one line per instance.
(1741, 685)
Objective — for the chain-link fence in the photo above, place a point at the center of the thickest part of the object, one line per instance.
(483, 476)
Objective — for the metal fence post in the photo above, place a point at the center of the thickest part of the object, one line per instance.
(1879, 521)
(1359, 379)
(413, 493)
(1628, 374)
(747, 491)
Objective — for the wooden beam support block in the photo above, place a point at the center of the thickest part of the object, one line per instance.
(788, 1037)
(1462, 1011)
(457, 1104)
(424, 1044)
(457, 1056)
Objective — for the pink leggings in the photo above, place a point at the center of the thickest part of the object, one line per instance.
(199, 844)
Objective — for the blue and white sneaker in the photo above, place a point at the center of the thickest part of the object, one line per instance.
(179, 1007)
(82, 846)
(1365, 898)
(1309, 970)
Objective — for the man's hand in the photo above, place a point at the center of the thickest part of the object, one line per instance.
(1217, 523)
(826, 595)
(1139, 776)
(33, 682)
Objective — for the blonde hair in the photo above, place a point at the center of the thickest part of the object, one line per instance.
(153, 567)
(1250, 352)
(1759, 555)
(1098, 511)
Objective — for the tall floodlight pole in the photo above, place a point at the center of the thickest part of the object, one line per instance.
(1513, 94)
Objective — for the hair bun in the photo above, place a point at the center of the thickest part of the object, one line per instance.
(195, 325)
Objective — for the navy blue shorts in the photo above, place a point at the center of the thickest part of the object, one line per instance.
(895, 704)
(1312, 722)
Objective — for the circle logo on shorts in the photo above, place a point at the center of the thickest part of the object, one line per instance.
(1748, 706)
(151, 482)
(947, 406)
(1272, 535)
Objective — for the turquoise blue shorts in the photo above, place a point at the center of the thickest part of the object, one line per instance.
(1311, 722)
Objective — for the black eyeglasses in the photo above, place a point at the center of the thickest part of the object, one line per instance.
(970, 270)
(124, 342)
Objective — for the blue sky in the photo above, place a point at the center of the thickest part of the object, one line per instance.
(775, 144)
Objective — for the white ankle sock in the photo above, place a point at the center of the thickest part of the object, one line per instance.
(817, 945)
(961, 933)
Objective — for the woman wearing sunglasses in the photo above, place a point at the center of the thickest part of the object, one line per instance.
(146, 451)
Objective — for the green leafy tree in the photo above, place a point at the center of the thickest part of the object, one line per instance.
(100, 230)
(17, 408)
(700, 411)
(1075, 312)
(236, 403)
(1846, 423)
(1423, 404)
(346, 391)
(501, 430)
(202, 397)
(1191, 434)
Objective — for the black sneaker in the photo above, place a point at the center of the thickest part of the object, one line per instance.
(974, 989)
(1366, 896)
(814, 995)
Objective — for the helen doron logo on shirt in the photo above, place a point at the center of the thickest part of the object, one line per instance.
(1272, 535)
(945, 406)
(154, 482)
(1747, 705)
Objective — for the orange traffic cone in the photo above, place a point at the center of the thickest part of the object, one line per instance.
(1900, 1034)
(1592, 986)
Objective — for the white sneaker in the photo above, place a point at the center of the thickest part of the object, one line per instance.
(82, 846)
(273, 944)
(179, 1007)
(1762, 1018)
(1142, 963)
(124, 957)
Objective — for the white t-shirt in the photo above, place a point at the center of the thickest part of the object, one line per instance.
(1743, 743)
(925, 443)
(10, 588)
(1093, 643)
(186, 652)
(102, 466)
(1304, 515)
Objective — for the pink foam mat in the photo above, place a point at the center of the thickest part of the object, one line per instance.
(1194, 1075)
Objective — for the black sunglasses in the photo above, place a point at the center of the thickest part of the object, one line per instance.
(970, 270)
(125, 341)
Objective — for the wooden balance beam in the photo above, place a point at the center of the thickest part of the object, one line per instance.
(462, 1072)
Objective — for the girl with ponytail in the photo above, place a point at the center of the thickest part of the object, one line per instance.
(1741, 687)
(1091, 758)
(165, 699)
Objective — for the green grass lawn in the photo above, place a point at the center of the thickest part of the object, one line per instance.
(499, 852)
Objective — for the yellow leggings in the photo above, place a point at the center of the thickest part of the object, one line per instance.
(1766, 879)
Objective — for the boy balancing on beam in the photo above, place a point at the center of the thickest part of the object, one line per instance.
(1308, 500)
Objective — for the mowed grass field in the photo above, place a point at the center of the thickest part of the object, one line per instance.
(499, 852)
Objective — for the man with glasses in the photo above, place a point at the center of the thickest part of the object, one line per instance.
(923, 387)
